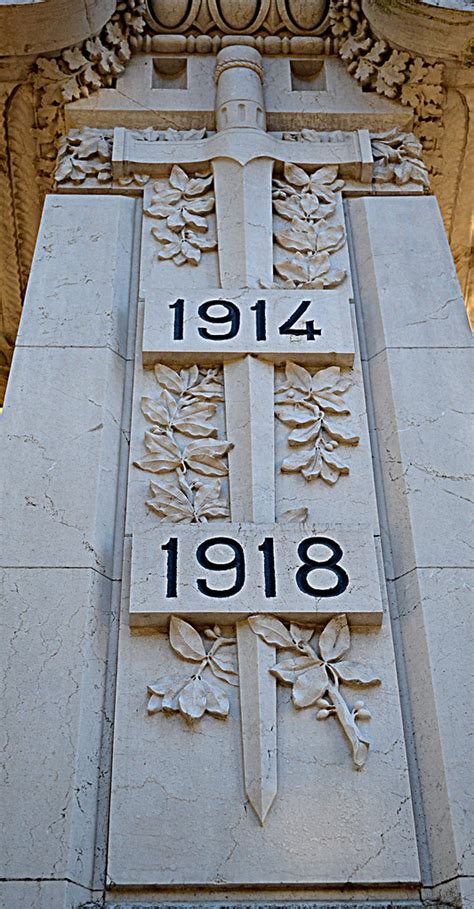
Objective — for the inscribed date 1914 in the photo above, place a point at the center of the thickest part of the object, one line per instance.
(313, 325)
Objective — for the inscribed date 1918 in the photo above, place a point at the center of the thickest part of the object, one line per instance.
(234, 570)
(313, 325)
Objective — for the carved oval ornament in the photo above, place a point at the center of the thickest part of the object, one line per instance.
(173, 15)
(245, 16)
(304, 16)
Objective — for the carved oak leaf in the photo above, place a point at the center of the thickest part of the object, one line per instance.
(192, 699)
(190, 383)
(185, 640)
(208, 502)
(295, 515)
(191, 419)
(217, 702)
(205, 456)
(271, 630)
(176, 502)
(164, 454)
(223, 666)
(334, 640)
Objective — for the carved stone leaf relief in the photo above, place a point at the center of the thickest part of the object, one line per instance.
(315, 676)
(186, 403)
(307, 203)
(182, 209)
(87, 153)
(393, 73)
(398, 158)
(193, 694)
(313, 407)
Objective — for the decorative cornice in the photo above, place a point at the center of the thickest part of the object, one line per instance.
(226, 17)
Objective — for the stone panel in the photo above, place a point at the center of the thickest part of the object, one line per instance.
(78, 293)
(62, 434)
(54, 657)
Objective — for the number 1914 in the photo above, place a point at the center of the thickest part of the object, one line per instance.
(228, 316)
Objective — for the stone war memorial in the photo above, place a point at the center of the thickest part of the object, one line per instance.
(236, 439)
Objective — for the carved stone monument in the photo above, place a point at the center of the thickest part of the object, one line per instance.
(235, 481)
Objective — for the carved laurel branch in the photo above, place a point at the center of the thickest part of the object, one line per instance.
(315, 676)
(393, 73)
(182, 210)
(192, 695)
(185, 406)
(306, 202)
(313, 406)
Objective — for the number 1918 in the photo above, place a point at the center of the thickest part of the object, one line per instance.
(237, 564)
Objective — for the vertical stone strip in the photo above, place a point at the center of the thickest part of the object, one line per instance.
(417, 352)
(61, 440)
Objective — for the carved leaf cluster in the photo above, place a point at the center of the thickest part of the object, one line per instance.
(192, 695)
(186, 404)
(313, 407)
(393, 73)
(87, 153)
(182, 210)
(306, 202)
(80, 70)
(397, 158)
(315, 676)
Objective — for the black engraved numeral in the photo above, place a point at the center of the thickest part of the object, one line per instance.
(237, 563)
(309, 331)
(269, 574)
(171, 549)
(329, 564)
(232, 317)
(178, 322)
(260, 310)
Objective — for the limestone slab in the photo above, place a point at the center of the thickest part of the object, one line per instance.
(423, 425)
(78, 293)
(256, 322)
(407, 279)
(53, 653)
(61, 436)
(163, 582)
(44, 894)
(437, 626)
(179, 813)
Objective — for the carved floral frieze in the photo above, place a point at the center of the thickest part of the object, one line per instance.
(181, 443)
(196, 693)
(315, 675)
(181, 209)
(307, 203)
(314, 409)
